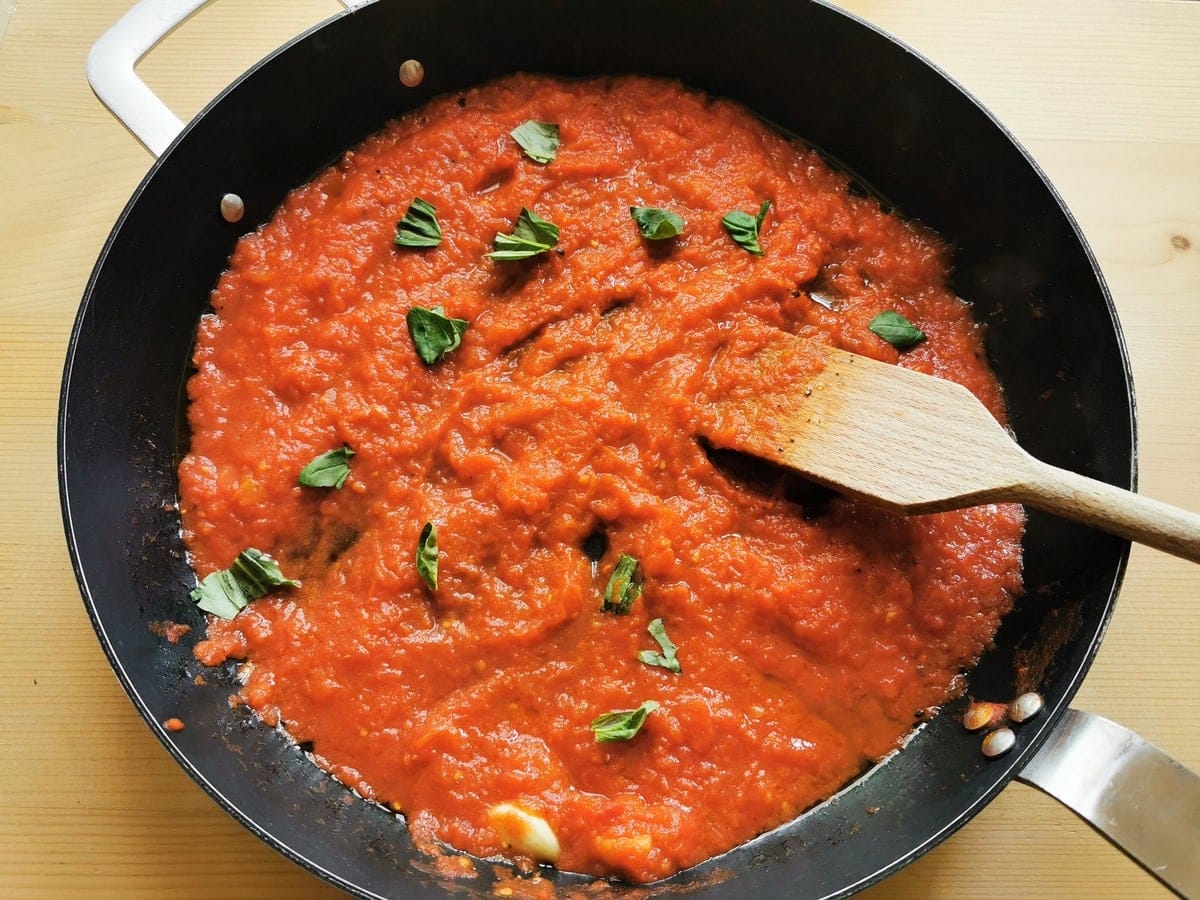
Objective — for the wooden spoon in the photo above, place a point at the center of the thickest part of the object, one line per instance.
(913, 443)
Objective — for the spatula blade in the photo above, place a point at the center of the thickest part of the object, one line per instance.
(909, 441)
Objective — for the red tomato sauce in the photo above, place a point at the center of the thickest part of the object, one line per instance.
(811, 631)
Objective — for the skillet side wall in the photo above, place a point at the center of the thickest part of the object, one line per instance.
(878, 107)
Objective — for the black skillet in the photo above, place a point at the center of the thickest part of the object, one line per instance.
(853, 92)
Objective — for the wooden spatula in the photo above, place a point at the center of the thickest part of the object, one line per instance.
(914, 443)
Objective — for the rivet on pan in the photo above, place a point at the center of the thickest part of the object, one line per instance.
(232, 208)
(999, 742)
(984, 714)
(1026, 707)
(412, 73)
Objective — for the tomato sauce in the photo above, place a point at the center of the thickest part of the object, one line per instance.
(812, 630)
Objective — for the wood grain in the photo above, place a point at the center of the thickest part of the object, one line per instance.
(1105, 94)
(914, 444)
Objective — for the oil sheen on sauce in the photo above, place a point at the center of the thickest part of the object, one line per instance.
(811, 628)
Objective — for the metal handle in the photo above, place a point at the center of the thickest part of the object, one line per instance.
(1127, 789)
(110, 68)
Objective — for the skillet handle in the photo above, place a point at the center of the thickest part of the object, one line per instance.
(110, 68)
(1135, 795)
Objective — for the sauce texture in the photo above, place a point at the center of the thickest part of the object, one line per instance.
(812, 630)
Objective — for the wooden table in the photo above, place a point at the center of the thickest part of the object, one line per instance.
(1106, 94)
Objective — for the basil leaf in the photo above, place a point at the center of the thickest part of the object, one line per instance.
(744, 228)
(666, 659)
(221, 595)
(427, 555)
(252, 575)
(621, 724)
(539, 140)
(433, 334)
(624, 585)
(419, 227)
(531, 235)
(656, 224)
(327, 470)
(257, 573)
(896, 330)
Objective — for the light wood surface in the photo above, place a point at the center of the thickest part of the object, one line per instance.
(1105, 93)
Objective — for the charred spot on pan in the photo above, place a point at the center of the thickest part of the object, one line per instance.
(1034, 664)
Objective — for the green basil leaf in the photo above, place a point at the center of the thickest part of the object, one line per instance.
(762, 213)
(666, 659)
(252, 575)
(257, 573)
(221, 595)
(419, 227)
(621, 724)
(531, 236)
(433, 334)
(427, 555)
(624, 585)
(539, 140)
(744, 228)
(896, 330)
(656, 224)
(327, 470)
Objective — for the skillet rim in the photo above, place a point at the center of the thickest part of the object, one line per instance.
(1002, 771)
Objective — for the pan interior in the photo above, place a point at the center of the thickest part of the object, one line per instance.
(897, 122)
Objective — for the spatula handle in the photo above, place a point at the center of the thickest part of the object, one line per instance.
(1112, 509)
